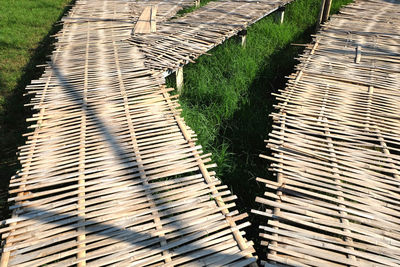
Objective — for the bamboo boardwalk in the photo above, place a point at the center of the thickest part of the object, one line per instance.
(180, 41)
(336, 147)
(111, 175)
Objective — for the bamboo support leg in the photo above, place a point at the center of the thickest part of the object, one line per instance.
(358, 54)
(324, 12)
(327, 10)
(281, 14)
(243, 36)
(321, 14)
(179, 79)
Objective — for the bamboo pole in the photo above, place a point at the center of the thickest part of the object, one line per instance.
(321, 14)
(179, 79)
(238, 237)
(243, 37)
(82, 155)
(281, 14)
(327, 10)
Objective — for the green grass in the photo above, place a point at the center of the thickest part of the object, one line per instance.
(25, 29)
(227, 97)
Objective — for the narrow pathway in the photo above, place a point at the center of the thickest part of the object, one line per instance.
(336, 147)
(111, 175)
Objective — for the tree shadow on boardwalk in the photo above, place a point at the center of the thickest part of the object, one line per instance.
(120, 235)
(189, 240)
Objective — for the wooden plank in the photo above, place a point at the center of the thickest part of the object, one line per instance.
(147, 21)
(143, 23)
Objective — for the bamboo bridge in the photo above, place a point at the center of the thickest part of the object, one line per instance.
(112, 175)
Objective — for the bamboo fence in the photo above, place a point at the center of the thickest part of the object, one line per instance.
(111, 175)
(336, 147)
(180, 41)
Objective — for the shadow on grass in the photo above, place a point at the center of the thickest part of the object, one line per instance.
(13, 118)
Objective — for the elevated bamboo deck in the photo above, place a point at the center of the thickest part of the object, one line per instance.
(111, 175)
(336, 147)
(180, 41)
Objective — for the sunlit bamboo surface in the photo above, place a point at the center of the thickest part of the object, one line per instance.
(336, 147)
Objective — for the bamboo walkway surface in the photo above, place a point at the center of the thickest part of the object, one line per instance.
(180, 41)
(111, 175)
(336, 147)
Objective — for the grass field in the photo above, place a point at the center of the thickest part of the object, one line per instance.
(25, 29)
(227, 97)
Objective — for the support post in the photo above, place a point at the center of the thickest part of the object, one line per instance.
(321, 14)
(197, 3)
(281, 14)
(327, 10)
(179, 79)
(243, 34)
(324, 12)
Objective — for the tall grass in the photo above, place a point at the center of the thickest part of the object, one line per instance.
(227, 96)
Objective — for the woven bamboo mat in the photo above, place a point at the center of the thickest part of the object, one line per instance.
(336, 147)
(111, 175)
(182, 40)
